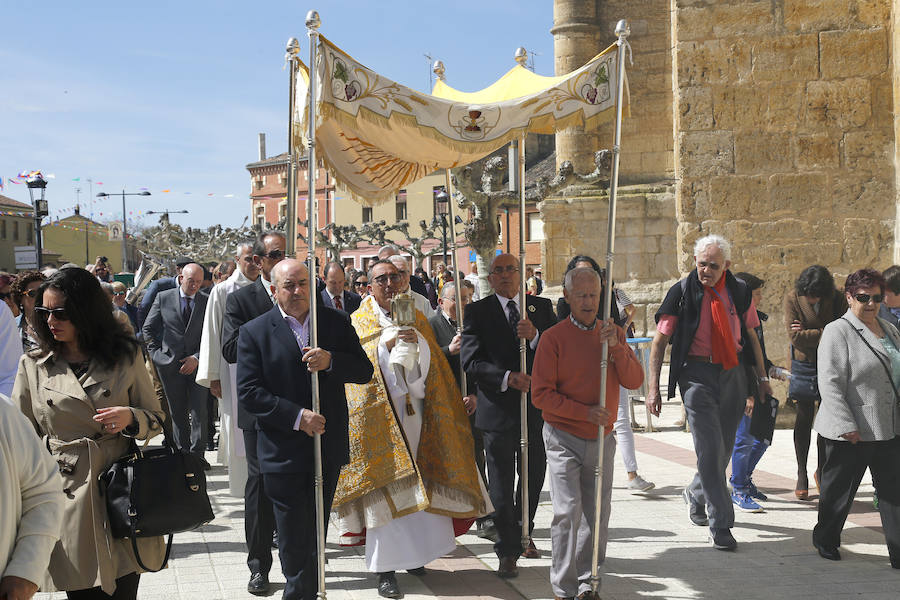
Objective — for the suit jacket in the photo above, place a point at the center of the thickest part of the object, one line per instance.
(856, 391)
(242, 306)
(489, 349)
(156, 286)
(350, 301)
(417, 285)
(273, 385)
(444, 334)
(168, 337)
(885, 313)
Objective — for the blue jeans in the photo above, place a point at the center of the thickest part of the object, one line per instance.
(747, 452)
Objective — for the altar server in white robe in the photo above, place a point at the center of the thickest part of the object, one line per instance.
(218, 375)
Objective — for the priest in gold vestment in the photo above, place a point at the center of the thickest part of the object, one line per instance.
(412, 461)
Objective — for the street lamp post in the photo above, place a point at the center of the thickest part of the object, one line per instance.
(124, 224)
(34, 182)
(442, 203)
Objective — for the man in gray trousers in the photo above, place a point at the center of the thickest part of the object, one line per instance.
(707, 317)
(172, 331)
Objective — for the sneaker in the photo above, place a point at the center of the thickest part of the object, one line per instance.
(639, 484)
(756, 494)
(696, 511)
(746, 503)
(721, 539)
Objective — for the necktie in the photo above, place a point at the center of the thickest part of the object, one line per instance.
(337, 303)
(453, 323)
(513, 315)
(187, 310)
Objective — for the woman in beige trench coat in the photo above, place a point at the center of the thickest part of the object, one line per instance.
(87, 392)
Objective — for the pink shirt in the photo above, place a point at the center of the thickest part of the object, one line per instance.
(702, 345)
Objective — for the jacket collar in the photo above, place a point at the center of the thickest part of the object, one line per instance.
(889, 330)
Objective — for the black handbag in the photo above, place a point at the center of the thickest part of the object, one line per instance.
(155, 492)
(762, 420)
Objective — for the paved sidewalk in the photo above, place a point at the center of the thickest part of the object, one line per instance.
(654, 550)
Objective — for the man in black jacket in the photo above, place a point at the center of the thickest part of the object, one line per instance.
(492, 329)
(276, 390)
(707, 316)
(241, 307)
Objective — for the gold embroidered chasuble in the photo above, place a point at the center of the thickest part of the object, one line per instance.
(382, 480)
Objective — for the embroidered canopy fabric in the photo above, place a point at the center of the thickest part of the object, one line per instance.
(377, 136)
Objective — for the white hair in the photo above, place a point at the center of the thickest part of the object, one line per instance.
(580, 271)
(398, 260)
(713, 240)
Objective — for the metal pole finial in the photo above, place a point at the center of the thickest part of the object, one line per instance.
(521, 56)
(438, 69)
(312, 20)
(293, 47)
(622, 28)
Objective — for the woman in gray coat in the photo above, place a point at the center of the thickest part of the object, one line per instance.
(859, 416)
(86, 391)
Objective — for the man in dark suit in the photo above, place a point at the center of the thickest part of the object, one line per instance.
(172, 331)
(490, 355)
(159, 285)
(334, 295)
(276, 389)
(241, 307)
(890, 308)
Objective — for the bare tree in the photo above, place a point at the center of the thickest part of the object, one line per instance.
(165, 241)
(482, 231)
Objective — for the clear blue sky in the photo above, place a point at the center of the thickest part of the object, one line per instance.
(171, 95)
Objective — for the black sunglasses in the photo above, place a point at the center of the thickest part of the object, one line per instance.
(44, 313)
(361, 283)
(864, 298)
(274, 255)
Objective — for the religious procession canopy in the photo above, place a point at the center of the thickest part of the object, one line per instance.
(377, 136)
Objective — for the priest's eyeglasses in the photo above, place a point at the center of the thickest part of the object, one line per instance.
(382, 280)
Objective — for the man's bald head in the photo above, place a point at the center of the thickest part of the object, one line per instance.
(191, 278)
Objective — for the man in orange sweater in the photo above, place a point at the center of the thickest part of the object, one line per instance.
(565, 383)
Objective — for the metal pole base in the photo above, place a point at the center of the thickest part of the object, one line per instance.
(595, 584)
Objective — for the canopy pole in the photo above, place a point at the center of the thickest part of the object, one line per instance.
(523, 355)
(622, 31)
(312, 26)
(290, 227)
(456, 279)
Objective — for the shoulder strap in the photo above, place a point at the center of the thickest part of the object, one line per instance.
(887, 368)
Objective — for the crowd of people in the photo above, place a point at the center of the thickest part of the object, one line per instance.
(420, 414)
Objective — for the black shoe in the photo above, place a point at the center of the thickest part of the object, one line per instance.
(387, 585)
(418, 571)
(696, 511)
(275, 540)
(828, 552)
(487, 530)
(258, 584)
(721, 539)
(210, 446)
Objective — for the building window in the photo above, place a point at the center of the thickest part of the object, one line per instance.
(258, 182)
(15, 230)
(3, 229)
(535, 227)
(282, 210)
(367, 214)
(261, 216)
(29, 238)
(401, 205)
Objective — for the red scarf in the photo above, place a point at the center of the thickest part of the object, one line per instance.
(724, 350)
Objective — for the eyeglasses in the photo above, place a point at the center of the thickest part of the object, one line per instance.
(274, 255)
(361, 283)
(864, 298)
(44, 313)
(709, 265)
(507, 269)
(382, 280)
